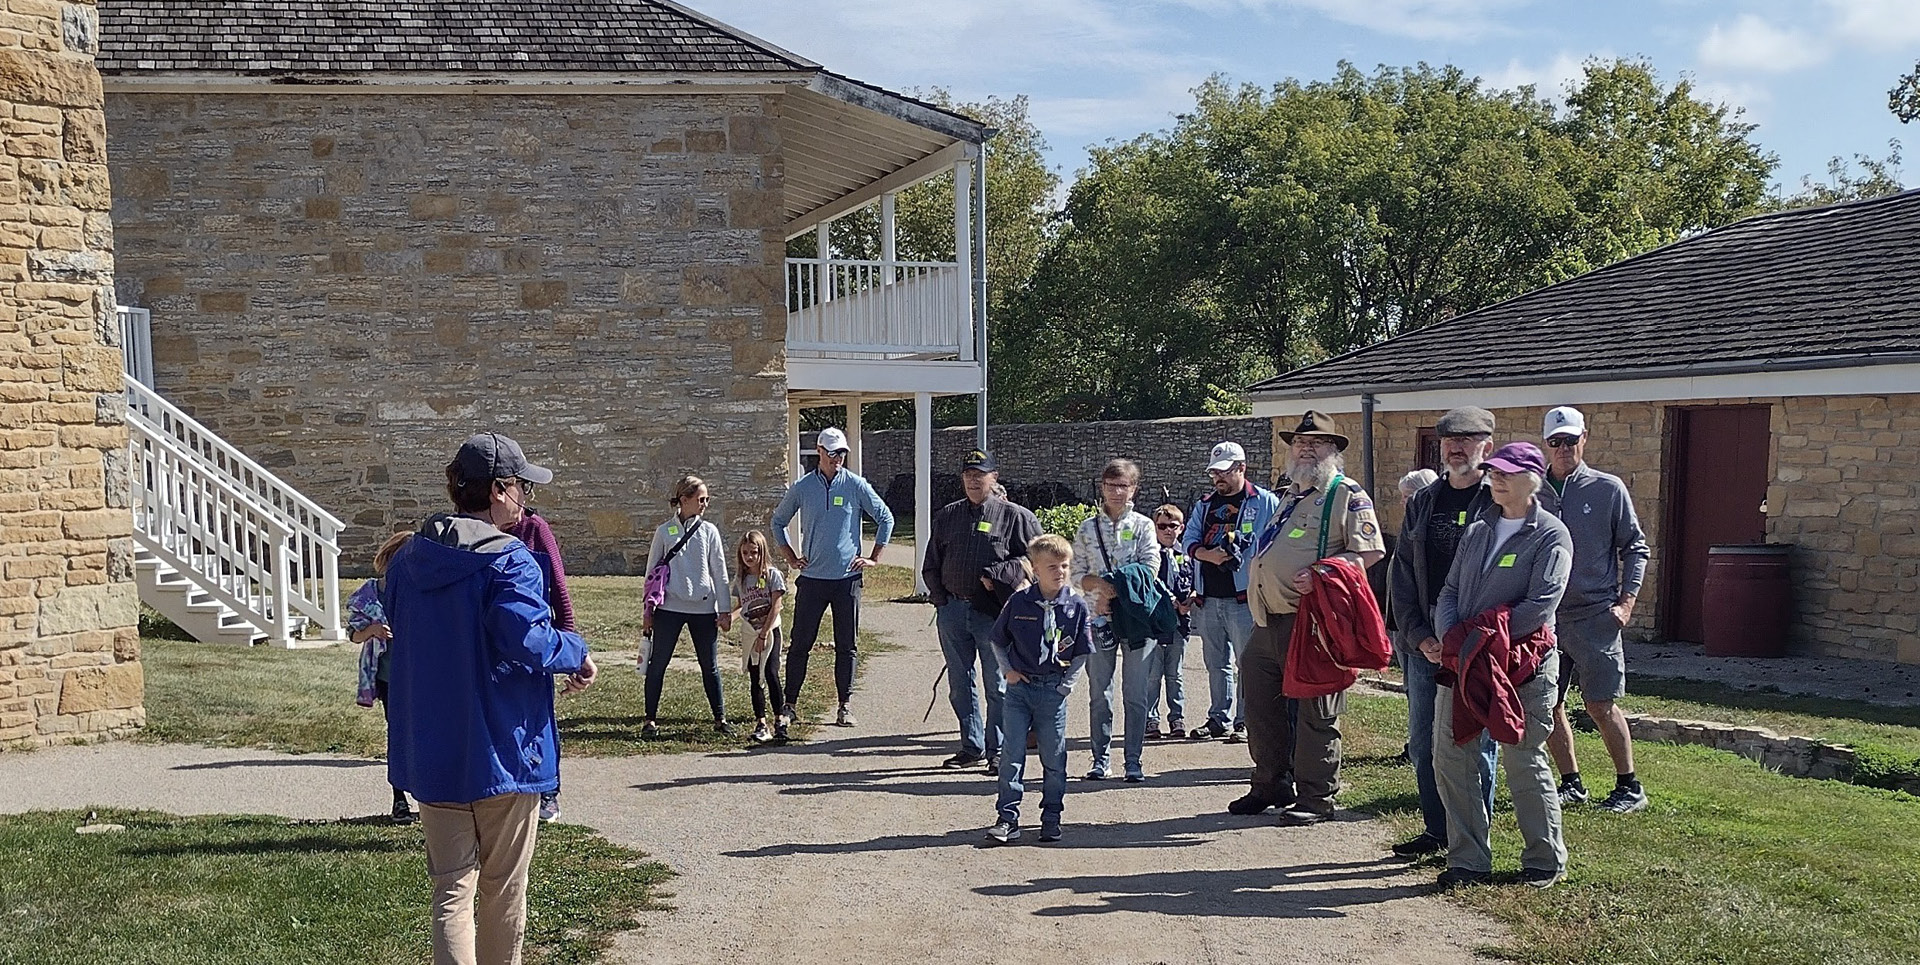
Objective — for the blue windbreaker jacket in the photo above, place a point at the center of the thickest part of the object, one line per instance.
(474, 656)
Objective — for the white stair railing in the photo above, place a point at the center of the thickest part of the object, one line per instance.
(301, 575)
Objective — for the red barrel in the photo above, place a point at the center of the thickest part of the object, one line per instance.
(1748, 605)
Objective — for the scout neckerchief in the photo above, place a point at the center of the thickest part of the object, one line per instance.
(1050, 630)
(1286, 512)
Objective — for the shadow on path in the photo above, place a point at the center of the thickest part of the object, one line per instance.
(1298, 891)
(292, 762)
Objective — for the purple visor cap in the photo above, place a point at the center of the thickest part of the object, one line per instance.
(1517, 457)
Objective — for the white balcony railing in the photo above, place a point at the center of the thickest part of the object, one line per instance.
(878, 308)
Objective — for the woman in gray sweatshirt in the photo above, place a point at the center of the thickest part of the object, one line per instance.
(698, 600)
(1518, 556)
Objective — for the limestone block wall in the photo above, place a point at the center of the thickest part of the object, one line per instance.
(1049, 464)
(346, 285)
(69, 651)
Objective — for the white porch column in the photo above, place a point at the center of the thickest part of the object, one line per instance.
(853, 435)
(823, 245)
(922, 482)
(889, 238)
(963, 254)
(793, 465)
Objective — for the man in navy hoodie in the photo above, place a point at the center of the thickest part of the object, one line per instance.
(472, 736)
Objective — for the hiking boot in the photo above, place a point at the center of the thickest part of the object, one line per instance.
(1422, 845)
(1625, 800)
(403, 813)
(1299, 817)
(649, 729)
(1457, 877)
(1238, 735)
(1250, 804)
(550, 807)
(1540, 877)
(1572, 793)
(1049, 833)
(963, 759)
(845, 717)
(1004, 831)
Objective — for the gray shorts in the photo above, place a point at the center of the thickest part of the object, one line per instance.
(1596, 656)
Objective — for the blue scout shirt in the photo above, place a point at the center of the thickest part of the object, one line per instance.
(830, 537)
(1021, 643)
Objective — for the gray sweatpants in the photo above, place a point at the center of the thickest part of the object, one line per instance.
(1536, 803)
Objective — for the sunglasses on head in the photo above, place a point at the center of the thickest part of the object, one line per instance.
(1561, 442)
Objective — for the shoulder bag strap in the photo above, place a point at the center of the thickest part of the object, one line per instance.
(664, 560)
(1326, 512)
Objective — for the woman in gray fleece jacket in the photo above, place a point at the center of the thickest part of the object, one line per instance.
(1518, 556)
(698, 600)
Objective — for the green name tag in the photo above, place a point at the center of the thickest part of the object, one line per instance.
(839, 500)
(1296, 534)
(1246, 527)
(1507, 560)
(1463, 517)
(1126, 534)
(673, 531)
(983, 526)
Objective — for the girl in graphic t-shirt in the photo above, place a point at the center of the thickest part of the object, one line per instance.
(758, 590)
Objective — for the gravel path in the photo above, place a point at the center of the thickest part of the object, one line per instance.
(857, 847)
(1873, 681)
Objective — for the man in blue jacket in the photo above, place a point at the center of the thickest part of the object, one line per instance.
(472, 736)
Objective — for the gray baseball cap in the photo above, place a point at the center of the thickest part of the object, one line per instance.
(490, 455)
(1467, 420)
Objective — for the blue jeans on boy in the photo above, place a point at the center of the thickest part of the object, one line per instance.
(964, 639)
(1164, 667)
(1132, 664)
(1036, 705)
(1225, 625)
(1422, 689)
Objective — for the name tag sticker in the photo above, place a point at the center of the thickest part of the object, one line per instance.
(839, 500)
(1246, 527)
(1296, 534)
(983, 526)
(673, 531)
(1507, 560)
(1463, 517)
(1126, 534)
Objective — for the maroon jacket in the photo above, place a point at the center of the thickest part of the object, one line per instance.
(1486, 677)
(533, 531)
(1337, 634)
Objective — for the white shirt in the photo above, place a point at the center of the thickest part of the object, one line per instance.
(1503, 530)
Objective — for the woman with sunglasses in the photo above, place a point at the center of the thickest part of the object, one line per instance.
(698, 600)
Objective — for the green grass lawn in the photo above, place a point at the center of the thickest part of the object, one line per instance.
(1731, 865)
(262, 890)
(301, 701)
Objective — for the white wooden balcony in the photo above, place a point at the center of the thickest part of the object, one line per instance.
(878, 310)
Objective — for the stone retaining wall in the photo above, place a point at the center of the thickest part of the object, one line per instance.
(69, 650)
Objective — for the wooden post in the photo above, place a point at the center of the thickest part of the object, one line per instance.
(922, 482)
(853, 434)
(963, 253)
(793, 466)
(823, 278)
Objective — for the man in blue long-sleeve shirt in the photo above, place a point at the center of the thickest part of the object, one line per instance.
(830, 501)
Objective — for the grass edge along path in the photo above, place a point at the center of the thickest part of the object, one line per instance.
(172, 890)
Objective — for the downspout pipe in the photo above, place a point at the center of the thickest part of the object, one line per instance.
(980, 292)
(1366, 442)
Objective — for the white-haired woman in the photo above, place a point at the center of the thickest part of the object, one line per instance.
(1415, 481)
(1499, 671)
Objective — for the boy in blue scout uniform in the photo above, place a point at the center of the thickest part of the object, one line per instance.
(1042, 640)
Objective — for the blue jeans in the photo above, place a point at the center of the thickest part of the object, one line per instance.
(964, 633)
(1036, 705)
(1224, 626)
(1132, 664)
(1422, 689)
(1164, 666)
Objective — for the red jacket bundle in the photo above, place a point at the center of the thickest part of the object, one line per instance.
(1337, 634)
(1486, 685)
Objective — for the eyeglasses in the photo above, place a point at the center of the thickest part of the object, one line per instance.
(1119, 486)
(1562, 442)
(1308, 442)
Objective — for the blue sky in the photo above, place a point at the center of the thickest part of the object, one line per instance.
(1813, 74)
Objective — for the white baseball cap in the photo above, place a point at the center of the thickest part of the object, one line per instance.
(1564, 421)
(832, 440)
(1225, 455)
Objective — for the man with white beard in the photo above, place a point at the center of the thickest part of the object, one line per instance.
(1436, 518)
(1296, 757)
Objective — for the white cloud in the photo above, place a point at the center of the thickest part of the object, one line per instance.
(1751, 99)
(1549, 79)
(1752, 44)
(1419, 19)
(1877, 24)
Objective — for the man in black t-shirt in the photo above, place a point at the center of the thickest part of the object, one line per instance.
(1429, 536)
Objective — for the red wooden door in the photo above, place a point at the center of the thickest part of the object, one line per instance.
(1719, 464)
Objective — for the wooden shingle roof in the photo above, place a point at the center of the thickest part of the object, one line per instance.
(349, 36)
(1808, 288)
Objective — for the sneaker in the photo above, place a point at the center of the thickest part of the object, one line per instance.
(1135, 777)
(1238, 735)
(1458, 877)
(1404, 758)
(780, 734)
(1421, 845)
(1541, 878)
(403, 813)
(845, 717)
(723, 728)
(1249, 804)
(963, 759)
(787, 712)
(649, 729)
(1625, 800)
(993, 765)
(1572, 792)
(1153, 731)
(762, 733)
(550, 807)
(1049, 833)
(1099, 773)
(1208, 731)
(1177, 730)
(1299, 817)
(1004, 831)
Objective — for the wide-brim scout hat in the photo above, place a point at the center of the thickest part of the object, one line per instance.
(1317, 423)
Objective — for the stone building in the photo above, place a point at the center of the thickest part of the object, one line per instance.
(366, 230)
(1756, 383)
(69, 650)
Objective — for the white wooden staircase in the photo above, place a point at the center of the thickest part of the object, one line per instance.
(225, 549)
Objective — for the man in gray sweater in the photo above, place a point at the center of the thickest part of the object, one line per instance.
(1609, 562)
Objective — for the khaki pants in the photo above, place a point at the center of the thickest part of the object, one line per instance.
(1536, 802)
(480, 851)
(1294, 749)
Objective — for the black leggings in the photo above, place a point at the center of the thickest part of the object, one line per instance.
(767, 681)
(705, 629)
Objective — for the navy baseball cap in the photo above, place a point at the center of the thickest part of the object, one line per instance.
(490, 455)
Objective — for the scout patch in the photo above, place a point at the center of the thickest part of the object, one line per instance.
(1367, 529)
(1357, 501)
(673, 531)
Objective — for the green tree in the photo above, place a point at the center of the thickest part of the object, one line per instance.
(1877, 177)
(1904, 99)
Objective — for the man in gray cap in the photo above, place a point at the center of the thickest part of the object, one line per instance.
(1436, 517)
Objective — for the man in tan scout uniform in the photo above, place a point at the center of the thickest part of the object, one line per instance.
(1296, 758)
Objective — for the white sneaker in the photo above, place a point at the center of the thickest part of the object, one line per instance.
(1004, 831)
(845, 717)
